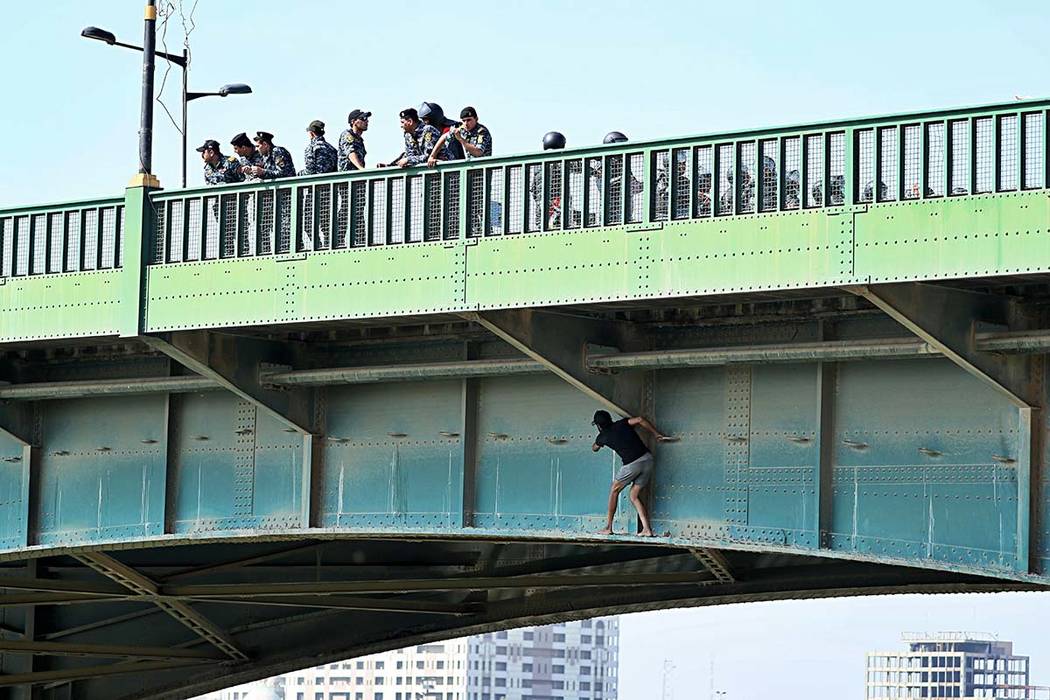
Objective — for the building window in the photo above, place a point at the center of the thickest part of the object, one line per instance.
(501, 665)
(526, 668)
(528, 635)
(585, 639)
(379, 665)
(557, 668)
(559, 637)
(501, 651)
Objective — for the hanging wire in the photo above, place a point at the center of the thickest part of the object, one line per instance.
(166, 11)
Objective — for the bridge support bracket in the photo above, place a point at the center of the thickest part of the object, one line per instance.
(948, 319)
(236, 363)
(559, 342)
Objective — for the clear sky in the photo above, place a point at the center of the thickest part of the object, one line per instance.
(69, 118)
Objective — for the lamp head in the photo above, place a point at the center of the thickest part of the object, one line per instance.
(99, 35)
(234, 89)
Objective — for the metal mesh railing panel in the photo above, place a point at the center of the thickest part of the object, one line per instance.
(160, 233)
(56, 246)
(814, 185)
(7, 246)
(397, 211)
(1008, 155)
(516, 202)
(264, 240)
(475, 203)
(613, 190)
(636, 180)
(216, 230)
(865, 149)
(836, 169)
(912, 152)
(432, 224)
(887, 191)
(681, 184)
(379, 212)
(323, 212)
(936, 153)
(90, 244)
(959, 134)
(38, 244)
(451, 222)
(661, 186)
(984, 156)
(176, 232)
(109, 238)
(284, 220)
(247, 217)
(494, 202)
(703, 157)
(358, 232)
(745, 171)
(534, 200)
(725, 179)
(415, 209)
(118, 242)
(343, 205)
(552, 196)
(574, 194)
(792, 169)
(195, 230)
(228, 228)
(593, 183)
(1034, 167)
(305, 236)
(73, 238)
(770, 175)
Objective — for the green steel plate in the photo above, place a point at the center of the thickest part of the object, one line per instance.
(1006, 233)
(70, 305)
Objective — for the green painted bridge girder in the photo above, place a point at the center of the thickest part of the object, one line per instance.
(960, 193)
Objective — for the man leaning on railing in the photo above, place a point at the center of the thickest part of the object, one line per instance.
(218, 169)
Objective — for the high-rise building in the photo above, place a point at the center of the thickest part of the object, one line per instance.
(564, 661)
(951, 665)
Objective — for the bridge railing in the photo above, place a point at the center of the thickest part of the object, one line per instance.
(919, 156)
(57, 238)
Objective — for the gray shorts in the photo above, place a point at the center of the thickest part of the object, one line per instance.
(638, 471)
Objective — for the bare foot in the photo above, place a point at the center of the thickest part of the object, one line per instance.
(605, 531)
(646, 533)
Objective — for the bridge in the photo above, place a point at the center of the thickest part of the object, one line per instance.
(255, 427)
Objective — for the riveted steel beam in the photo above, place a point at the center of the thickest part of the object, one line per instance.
(86, 672)
(560, 342)
(715, 563)
(336, 602)
(235, 363)
(138, 583)
(113, 651)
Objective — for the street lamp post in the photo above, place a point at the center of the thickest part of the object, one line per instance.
(182, 62)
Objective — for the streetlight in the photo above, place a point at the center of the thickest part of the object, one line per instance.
(182, 62)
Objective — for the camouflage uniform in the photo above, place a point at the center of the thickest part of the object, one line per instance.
(320, 157)
(478, 136)
(350, 142)
(225, 171)
(420, 143)
(255, 159)
(278, 163)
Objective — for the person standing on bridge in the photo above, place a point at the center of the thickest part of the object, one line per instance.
(251, 161)
(319, 156)
(352, 142)
(218, 169)
(637, 460)
(277, 161)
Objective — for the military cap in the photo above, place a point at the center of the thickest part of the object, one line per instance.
(358, 114)
(409, 113)
(316, 126)
(210, 143)
(241, 139)
(263, 136)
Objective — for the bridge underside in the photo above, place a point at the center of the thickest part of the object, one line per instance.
(288, 603)
(237, 503)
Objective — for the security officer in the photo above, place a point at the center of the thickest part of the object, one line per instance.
(420, 139)
(251, 163)
(218, 169)
(277, 161)
(352, 142)
(473, 138)
(320, 156)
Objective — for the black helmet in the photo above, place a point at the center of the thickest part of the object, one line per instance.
(431, 113)
(553, 140)
(615, 137)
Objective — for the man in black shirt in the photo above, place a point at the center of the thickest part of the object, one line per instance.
(637, 462)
